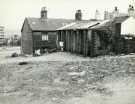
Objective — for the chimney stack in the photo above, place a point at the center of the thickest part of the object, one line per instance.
(131, 11)
(116, 12)
(78, 15)
(43, 13)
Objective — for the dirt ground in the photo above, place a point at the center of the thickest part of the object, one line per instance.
(64, 78)
(6, 52)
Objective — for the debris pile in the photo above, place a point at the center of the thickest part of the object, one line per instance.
(14, 54)
(23, 63)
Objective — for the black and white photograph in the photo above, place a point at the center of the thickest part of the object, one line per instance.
(67, 51)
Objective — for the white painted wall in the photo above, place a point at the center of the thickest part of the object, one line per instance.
(128, 26)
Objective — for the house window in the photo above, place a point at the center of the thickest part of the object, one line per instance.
(45, 37)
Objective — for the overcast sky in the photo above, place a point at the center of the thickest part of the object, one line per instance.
(13, 12)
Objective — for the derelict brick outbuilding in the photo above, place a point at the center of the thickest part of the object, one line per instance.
(40, 33)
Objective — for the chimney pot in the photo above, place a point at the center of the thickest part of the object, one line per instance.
(131, 11)
(78, 15)
(44, 12)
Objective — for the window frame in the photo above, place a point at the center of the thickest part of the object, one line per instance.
(45, 37)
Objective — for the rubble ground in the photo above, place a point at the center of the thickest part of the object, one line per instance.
(70, 79)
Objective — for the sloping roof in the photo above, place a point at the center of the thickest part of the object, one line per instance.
(120, 19)
(123, 14)
(38, 24)
(107, 23)
(103, 25)
(85, 24)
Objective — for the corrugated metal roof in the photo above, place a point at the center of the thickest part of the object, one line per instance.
(69, 25)
(103, 25)
(80, 25)
(38, 24)
(120, 19)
